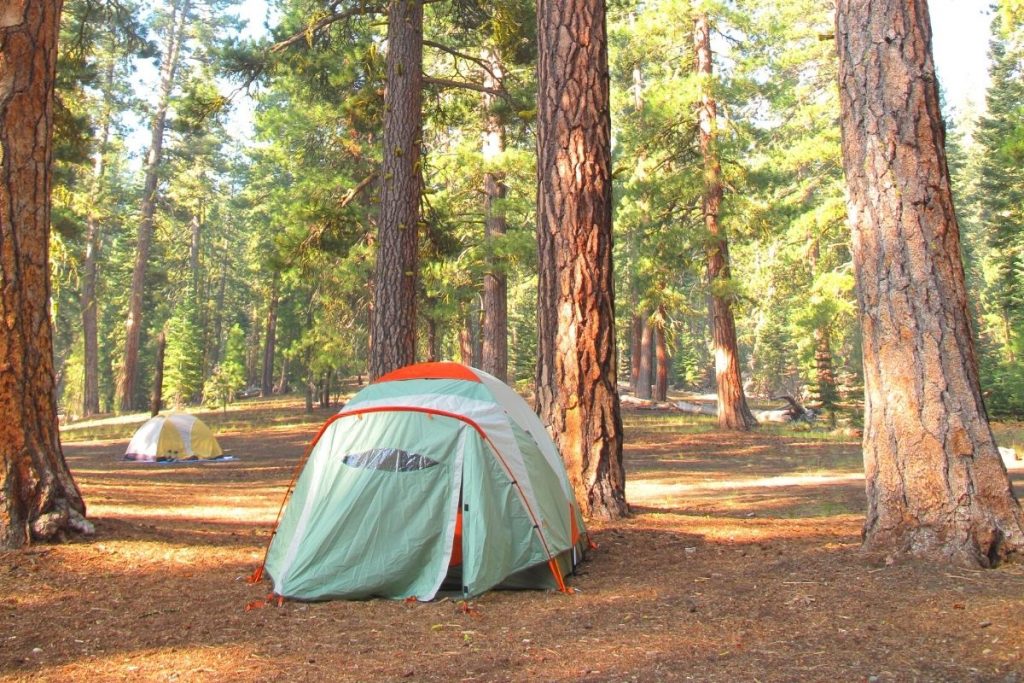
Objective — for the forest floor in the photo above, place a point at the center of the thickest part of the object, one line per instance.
(741, 562)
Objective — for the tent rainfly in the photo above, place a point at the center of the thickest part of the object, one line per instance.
(437, 476)
(175, 436)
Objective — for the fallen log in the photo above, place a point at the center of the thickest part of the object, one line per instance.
(781, 416)
(696, 408)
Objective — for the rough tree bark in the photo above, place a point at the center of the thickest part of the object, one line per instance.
(127, 373)
(576, 371)
(494, 356)
(733, 412)
(394, 320)
(936, 486)
(38, 496)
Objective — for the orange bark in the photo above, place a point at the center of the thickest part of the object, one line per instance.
(936, 484)
(576, 374)
(38, 497)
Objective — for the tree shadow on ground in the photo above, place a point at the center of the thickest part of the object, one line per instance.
(738, 564)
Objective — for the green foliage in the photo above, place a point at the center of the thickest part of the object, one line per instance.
(228, 377)
(183, 362)
(292, 215)
(989, 182)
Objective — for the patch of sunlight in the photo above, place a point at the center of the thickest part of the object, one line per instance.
(259, 513)
(754, 530)
(640, 490)
(131, 557)
(199, 662)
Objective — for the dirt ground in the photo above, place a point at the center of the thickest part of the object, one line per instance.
(741, 563)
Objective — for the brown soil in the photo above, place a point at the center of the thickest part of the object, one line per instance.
(740, 563)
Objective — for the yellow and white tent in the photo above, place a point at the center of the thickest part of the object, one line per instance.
(175, 436)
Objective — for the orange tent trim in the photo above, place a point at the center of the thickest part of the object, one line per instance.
(442, 370)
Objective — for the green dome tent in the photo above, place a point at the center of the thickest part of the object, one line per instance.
(435, 473)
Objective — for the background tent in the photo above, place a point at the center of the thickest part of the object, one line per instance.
(175, 436)
(437, 472)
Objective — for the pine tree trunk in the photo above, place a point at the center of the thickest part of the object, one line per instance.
(636, 333)
(494, 354)
(661, 353)
(643, 377)
(126, 381)
(282, 380)
(157, 399)
(466, 343)
(90, 343)
(308, 355)
(218, 313)
(577, 395)
(476, 330)
(90, 334)
(394, 328)
(38, 497)
(936, 485)
(733, 412)
(433, 342)
(325, 389)
(270, 343)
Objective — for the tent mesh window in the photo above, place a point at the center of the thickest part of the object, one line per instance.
(389, 459)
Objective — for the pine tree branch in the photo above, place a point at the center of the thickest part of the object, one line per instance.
(465, 85)
(483, 64)
(355, 191)
(324, 22)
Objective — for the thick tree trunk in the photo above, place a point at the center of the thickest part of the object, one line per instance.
(494, 355)
(126, 381)
(577, 395)
(394, 327)
(270, 344)
(733, 412)
(157, 399)
(936, 485)
(38, 497)
(644, 375)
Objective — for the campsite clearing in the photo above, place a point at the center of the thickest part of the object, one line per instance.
(741, 562)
